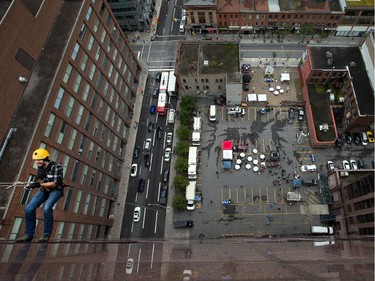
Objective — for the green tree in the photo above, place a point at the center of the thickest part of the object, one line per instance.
(182, 148)
(180, 183)
(186, 118)
(182, 165)
(183, 133)
(307, 29)
(188, 103)
(274, 55)
(179, 202)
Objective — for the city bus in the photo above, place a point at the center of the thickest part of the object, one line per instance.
(162, 102)
(164, 81)
(171, 90)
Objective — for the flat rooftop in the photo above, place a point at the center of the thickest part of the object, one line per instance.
(209, 58)
(350, 57)
(257, 6)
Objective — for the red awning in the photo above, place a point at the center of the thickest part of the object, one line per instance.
(227, 145)
(210, 29)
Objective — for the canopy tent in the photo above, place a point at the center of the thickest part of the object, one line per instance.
(228, 154)
(297, 182)
(262, 97)
(269, 70)
(227, 145)
(251, 97)
(227, 165)
(285, 77)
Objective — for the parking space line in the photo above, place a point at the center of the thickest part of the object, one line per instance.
(244, 196)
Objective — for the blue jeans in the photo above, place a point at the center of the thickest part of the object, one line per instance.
(50, 198)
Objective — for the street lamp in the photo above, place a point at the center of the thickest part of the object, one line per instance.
(158, 205)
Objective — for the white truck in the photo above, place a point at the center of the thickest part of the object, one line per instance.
(212, 113)
(196, 135)
(170, 116)
(321, 230)
(293, 196)
(192, 163)
(190, 195)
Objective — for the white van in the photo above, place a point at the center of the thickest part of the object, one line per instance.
(212, 113)
(182, 27)
(321, 230)
(170, 116)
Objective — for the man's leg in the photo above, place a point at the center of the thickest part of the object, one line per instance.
(30, 216)
(53, 197)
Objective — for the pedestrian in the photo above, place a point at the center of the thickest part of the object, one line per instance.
(49, 180)
(211, 201)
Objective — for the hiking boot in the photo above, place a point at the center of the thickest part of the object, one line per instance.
(44, 238)
(26, 238)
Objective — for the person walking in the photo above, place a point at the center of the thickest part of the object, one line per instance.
(49, 180)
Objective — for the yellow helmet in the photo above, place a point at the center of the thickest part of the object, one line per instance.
(40, 154)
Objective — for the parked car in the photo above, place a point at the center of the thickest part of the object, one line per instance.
(129, 266)
(147, 145)
(357, 138)
(167, 154)
(330, 165)
(291, 116)
(141, 185)
(370, 136)
(169, 138)
(152, 109)
(146, 158)
(353, 164)
(134, 170)
(348, 138)
(183, 224)
(309, 182)
(364, 139)
(150, 126)
(136, 151)
(158, 77)
(137, 214)
(361, 164)
(155, 93)
(163, 196)
(159, 133)
(308, 168)
(245, 87)
(301, 113)
(165, 175)
(345, 165)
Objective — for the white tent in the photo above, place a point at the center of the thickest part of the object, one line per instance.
(251, 97)
(285, 77)
(262, 97)
(269, 70)
(228, 154)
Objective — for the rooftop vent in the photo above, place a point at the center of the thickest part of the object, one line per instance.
(352, 63)
(329, 56)
(205, 62)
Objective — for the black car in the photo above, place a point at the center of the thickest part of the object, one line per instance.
(147, 160)
(166, 175)
(159, 133)
(151, 126)
(136, 151)
(141, 185)
(309, 182)
(158, 77)
(291, 115)
(245, 87)
(163, 195)
(183, 224)
(361, 164)
(348, 138)
(301, 114)
(357, 138)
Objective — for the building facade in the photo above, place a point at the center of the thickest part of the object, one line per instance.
(77, 102)
(353, 202)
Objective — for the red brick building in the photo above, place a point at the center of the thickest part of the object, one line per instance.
(75, 98)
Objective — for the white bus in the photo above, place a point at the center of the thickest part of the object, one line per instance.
(171, 90)
(212, 113)
(164, 81)
(162, 101)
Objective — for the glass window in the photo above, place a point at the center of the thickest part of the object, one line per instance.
(78, 201)
(110, 44)
(84, 61)
(60, 229)
(82, 31)
(85, 92)
(94, 206)
(105, 61)
(98, 52)
(108, 20)
(68, 71)
(104, 34)
(114, 56)
(107, 114)
(60, 137)
(91, 149)
(82, 145)
(59, 98)
(88, 121)
(89, 13)
(49, 126)
(75, 170)
(87, 204)
(75, 52)
(73, 137)
(97, 24)
(66, 162)
(70, 106)
(92, 71)
(68, 196)
(94, 99)
(102, 207)
(100, 80)
(96, 127)
(71, 231)
(81, 230)
(79, 114)
(110, 70)
(77, 83)
(90, 43)
(84, 174)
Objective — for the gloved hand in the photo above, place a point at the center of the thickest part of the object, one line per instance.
(33, 185)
